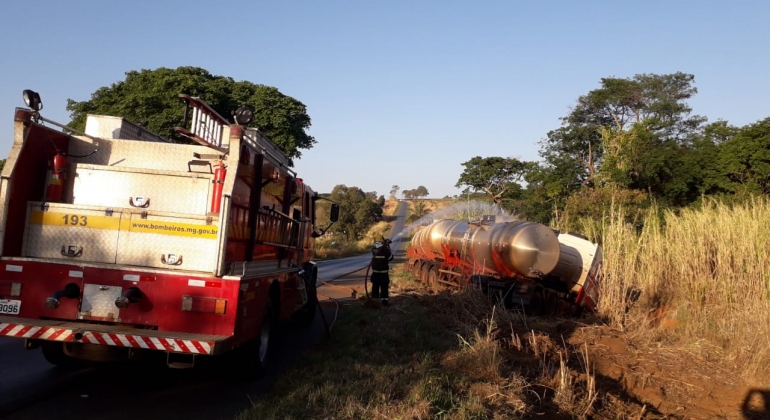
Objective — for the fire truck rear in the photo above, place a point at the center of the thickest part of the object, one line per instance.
(117, 242)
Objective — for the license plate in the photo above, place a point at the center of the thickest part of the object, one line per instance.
(10, 307)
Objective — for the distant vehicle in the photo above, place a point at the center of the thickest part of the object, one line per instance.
(524, 264)
(117, 242)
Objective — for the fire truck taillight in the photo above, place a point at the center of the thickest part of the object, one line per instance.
(202, 304)
(12, 289)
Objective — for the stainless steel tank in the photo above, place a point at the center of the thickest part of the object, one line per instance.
(526, 248)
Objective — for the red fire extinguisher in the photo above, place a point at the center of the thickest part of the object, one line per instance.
(219, 180)
(58, 177)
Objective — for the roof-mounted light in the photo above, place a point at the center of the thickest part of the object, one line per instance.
(32, 99)
(243, 115)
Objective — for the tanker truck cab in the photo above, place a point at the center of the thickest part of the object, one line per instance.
(576, 275)
(117, 241)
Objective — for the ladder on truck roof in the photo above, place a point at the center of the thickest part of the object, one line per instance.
(207, 128)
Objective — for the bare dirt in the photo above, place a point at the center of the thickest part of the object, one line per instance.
(648, 381)
(670, 381)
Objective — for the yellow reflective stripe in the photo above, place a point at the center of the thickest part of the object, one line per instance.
(379, 256)
(379, 271)
(73, 220)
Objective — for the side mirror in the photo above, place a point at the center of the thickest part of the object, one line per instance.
(335, 213)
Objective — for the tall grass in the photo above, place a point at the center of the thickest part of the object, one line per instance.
(699, 277)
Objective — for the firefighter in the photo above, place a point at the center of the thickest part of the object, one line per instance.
(381, 254)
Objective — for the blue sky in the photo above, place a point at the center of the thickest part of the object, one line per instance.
(400, 92)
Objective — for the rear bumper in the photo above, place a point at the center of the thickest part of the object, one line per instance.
(112, 335)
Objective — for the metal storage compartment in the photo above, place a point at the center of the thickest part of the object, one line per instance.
(165, 241)
(142, 189)
(71, 232)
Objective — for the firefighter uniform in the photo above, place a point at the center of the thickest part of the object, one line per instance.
(381, 254)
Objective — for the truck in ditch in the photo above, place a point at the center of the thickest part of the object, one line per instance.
(521, 264)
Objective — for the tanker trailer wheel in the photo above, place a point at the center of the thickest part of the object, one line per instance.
(536, 305)
(432, 276)
(424, 273)
(415, 269)
(552, 304)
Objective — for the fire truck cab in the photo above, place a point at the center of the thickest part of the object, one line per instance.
(117, 241)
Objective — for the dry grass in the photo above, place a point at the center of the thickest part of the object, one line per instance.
(697, 278)
(446, 355)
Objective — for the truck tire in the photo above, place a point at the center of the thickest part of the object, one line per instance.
(267, 331)
(536, 305)
(53, 351)
(305, 316)
(432, 277)
(247, 362)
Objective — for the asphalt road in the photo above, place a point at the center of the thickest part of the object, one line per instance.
(334, 269)
(30, 388)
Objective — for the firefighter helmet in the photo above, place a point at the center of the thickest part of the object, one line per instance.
(378, 238)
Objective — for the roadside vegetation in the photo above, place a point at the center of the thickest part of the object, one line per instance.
(668, 341)
(695, 278)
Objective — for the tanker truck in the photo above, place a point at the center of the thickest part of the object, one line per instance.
(525, 265)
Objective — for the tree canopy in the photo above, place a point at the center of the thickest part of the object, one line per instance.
(150, 98)
(358, 211)
(631, 141)
(495, 176)
(418, 192)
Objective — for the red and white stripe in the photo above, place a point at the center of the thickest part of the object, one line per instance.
(107, 339)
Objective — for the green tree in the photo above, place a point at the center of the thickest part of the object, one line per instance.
(744, 160)
(421, 192)
(394, 191)
(149, 98)
(495, 176)
(601, 120)
(357, 211)
(634, 133)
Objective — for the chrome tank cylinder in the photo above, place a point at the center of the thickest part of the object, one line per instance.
(526, 248)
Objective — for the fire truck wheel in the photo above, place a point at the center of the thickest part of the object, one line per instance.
(305, 316)
(266, 335)
(54, 354)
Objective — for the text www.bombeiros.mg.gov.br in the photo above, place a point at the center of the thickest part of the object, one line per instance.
(170, 228)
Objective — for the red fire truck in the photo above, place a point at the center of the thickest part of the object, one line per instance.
(117, 242)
